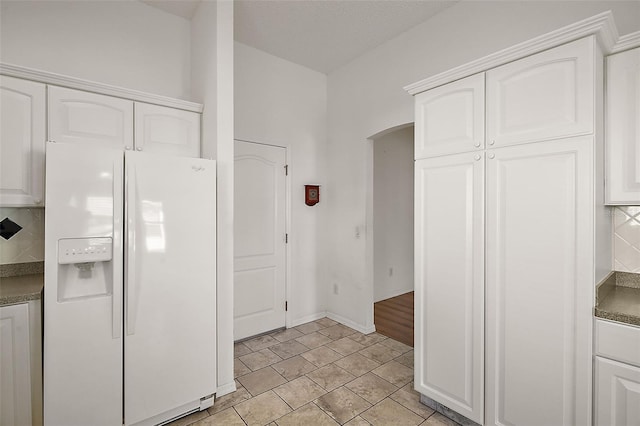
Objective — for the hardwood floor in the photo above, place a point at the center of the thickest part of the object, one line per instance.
(394, 318)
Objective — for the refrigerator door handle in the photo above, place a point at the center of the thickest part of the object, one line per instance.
(130, 198)
(116, 314)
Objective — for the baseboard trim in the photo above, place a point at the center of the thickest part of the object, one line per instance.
(306, 319)
(345, 321)
(226, 389)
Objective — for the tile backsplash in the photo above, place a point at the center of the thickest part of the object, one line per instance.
(626, 244)
(27, 245)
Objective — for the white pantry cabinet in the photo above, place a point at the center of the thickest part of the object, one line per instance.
(22, 142)
(449, 227)
(623, 128)
(543, 96)
(81, 117)
(166, 130)
(450, 118)
(505, 238)
(539, 271)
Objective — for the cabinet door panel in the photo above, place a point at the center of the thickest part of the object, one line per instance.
(545, 96)
(22, 141)
(623, 128)
(15, 372)
(617, 393)
(539, 283)
(450, 118)
(87, 118)
(167, 130)
(449, 289)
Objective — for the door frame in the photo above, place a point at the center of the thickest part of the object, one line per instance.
(369, 248)
(287, 218)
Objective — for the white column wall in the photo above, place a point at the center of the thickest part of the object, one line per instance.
(281, 103)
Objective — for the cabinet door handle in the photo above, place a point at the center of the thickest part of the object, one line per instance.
(492, 156)
(477, 157)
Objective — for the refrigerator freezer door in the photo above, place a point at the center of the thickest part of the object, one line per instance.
(170, 291)
(82, 301)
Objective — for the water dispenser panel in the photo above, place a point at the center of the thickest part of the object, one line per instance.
(81, 250)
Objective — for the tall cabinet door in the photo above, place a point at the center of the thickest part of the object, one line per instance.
(90, 119)
(545, 96)
(449, 281)
(450, 118)
(170, 291)
(22, 139)
(167, 130)
(539, 283)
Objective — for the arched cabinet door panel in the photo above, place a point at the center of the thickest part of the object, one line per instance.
(22, 140)
(549, 95)
(450, 118)
(90, 119)
(167, 130)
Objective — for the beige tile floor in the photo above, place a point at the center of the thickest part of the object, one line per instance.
(320, 373)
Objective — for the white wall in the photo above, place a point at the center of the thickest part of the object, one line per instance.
(280, 103)
(393, 214)
(123, 43)
(212, 78)
(366, 97)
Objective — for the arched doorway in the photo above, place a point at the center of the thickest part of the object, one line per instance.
(390, 216)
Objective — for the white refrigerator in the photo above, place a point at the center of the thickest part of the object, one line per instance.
(130, 287)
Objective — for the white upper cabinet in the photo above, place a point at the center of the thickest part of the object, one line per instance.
(167, 130)
(22, 142)
(87, 118)
(449, 292)
(623, 128)
(549, 95)
(450, 118)
(539, 274)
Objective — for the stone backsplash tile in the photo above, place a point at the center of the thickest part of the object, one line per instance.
(27, 245)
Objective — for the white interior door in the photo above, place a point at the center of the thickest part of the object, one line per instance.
(259, 239)
(170, 292)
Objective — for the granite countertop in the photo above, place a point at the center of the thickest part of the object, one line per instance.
(618, 298)
(20, 283)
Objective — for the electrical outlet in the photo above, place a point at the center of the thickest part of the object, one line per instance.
(336, 290)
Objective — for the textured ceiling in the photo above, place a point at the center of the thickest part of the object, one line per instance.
(319, 34)
(326, 34)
